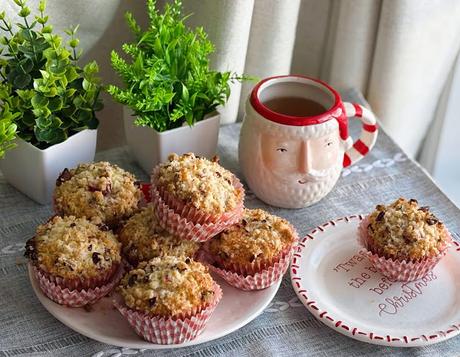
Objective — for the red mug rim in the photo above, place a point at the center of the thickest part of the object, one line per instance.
(290, 119)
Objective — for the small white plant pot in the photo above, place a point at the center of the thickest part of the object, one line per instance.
(34, 172)
(150, 147)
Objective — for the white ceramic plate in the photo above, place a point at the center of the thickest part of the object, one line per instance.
(105, 324)
(339, 287)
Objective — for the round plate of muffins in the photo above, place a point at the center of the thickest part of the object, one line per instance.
(175, 262)
(103, 323)
(390, 277)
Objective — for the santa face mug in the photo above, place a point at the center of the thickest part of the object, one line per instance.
(294, 140)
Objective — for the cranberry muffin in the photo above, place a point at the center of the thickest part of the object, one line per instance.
(200, 183)
(143, 239)
(258, 240)
(168, 300)
(403, 230)
(402, 240)
(168, 286)
(74, 252)
(98, 190)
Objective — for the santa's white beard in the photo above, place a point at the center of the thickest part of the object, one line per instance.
(281, 192)
(280, 189)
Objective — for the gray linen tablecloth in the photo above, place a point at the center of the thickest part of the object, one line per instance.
(285, 328)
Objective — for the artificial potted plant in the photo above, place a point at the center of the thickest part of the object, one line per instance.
(47, 103)
(170, 94)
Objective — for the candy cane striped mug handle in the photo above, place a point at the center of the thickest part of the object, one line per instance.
(368, 136)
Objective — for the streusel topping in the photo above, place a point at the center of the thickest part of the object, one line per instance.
(167, 286)
(203, 183)
(403, 229)
(72, 247)
(259, 236)
(143, 239)
(100, 189)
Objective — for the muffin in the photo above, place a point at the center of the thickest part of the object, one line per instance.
(195, 198)
(169, 299)
(404, 240)
(97, 191)
(259, 243)
(75, 261)
(142, 239)
(202, 183)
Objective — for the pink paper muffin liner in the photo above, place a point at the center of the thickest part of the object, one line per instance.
(250, 268)
(398, 270)
(83, 283)
(71, 297)
(256, 280)
(170, 330)
(183, 227)
(191, 213)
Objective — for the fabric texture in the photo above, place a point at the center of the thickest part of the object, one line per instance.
(285, 328)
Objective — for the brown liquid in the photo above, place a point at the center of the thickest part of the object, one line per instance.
(295, 106)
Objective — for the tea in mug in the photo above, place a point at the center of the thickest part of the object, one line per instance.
(295, 106)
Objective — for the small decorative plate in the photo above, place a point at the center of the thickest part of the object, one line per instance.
(340, 287)
(102, 322)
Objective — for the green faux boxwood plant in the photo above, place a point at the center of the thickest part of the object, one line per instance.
(168, 80)
(45, 96)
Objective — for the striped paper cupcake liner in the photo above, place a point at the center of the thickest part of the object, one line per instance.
(256, 281)
(183, 227)
(83, 283)
(71, 297)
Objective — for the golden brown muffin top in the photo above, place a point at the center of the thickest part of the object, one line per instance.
(403, 229)
(143, 239)
(167, 286)
(201, 182)
(71, 247)
(258, 237)
(97, 190)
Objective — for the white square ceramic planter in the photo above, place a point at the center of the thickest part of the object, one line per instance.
(150, 147)
(34, 172)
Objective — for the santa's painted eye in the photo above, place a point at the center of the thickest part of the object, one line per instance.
(329, 143)
(281, 149)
